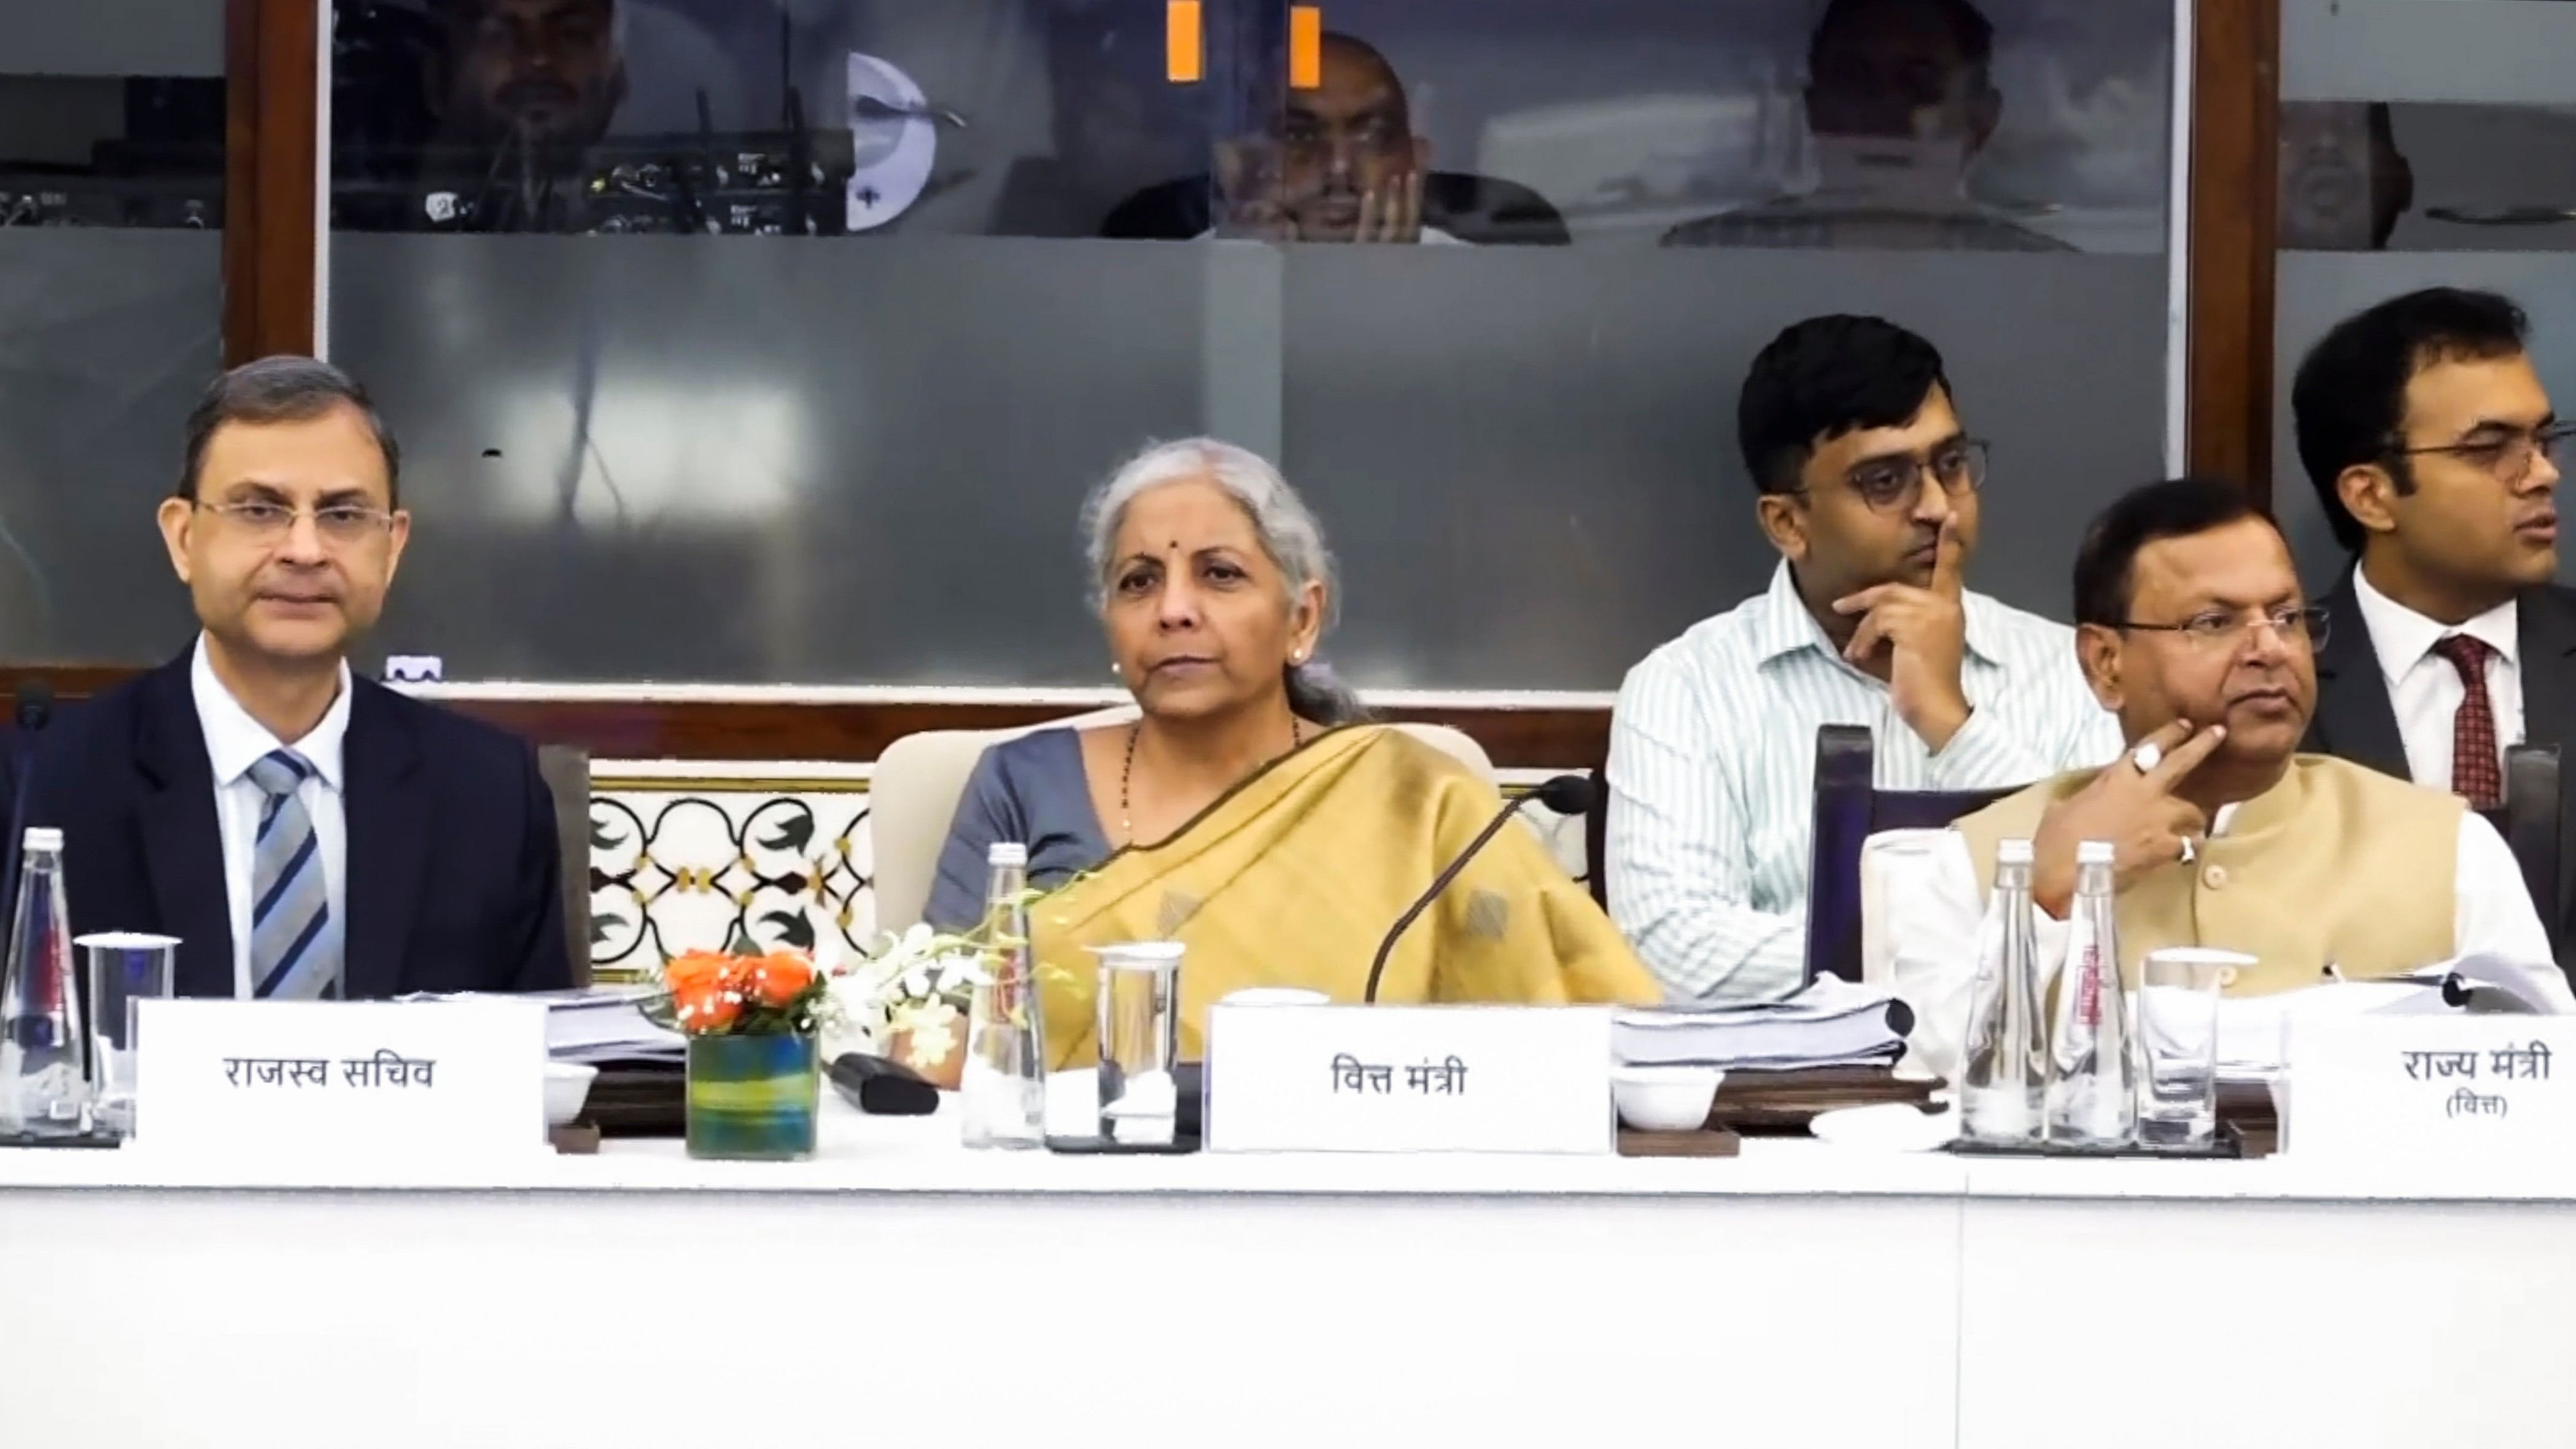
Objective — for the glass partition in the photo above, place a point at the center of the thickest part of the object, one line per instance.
(2423, 143)
(111, 309)
(777, 340)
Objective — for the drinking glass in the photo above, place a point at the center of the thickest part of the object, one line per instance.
(125, 967)
(2177, 1004)
(1139, 1037)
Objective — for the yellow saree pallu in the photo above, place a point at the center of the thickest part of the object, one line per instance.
(1294, 877)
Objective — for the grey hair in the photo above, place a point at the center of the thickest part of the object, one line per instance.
(1281, 520)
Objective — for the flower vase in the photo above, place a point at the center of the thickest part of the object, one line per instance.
(753, 1097)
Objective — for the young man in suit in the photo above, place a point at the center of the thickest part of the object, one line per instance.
(307, 834)
(2431, 443)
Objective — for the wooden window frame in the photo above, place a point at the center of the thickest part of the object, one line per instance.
(274, 222)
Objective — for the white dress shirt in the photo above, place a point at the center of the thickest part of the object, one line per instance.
(1713, 766)
(1924, 906)
(2425, 688)
(235, 742)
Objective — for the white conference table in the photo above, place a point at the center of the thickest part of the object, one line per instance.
(900, 1290)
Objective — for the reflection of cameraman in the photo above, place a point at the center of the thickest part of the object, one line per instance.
(523, 90)
(545, 74)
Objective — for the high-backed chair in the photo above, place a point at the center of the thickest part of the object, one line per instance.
(566, 771)
(2530, 823)
(1850, 808)
(1596, 839)
(914, 790)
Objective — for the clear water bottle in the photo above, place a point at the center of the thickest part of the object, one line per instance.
(1002, 1087)
(2092, 1087)
(44, 1078)
(2003, 1079)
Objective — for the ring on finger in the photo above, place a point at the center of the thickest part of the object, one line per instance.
(2147, 756)
(2190, 850)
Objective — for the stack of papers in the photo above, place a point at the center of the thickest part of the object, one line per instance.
(597, 1024)
(1832, 1023)
(607, 1023)
(2253, 1032)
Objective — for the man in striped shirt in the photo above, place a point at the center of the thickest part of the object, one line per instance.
(1868, 488)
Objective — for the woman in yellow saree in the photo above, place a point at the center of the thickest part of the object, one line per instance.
(1294, 877)
(1249, 811)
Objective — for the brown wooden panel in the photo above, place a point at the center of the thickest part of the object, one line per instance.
(1517, 739)
(272, 113)
(2235, 164)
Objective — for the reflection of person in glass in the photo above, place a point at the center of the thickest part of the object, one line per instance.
(526, 88)
(1341, 163)
(1899, 100)
(1344, 166)
(2344, 183)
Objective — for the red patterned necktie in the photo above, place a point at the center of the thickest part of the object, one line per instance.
(2477, 775)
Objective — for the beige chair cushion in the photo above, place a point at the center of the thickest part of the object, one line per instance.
(914, 790)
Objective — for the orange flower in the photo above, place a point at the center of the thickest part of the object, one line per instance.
(778, 978)
(705, 1006)
(695, 970)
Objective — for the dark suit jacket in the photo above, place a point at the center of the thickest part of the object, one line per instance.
(453, 872)
(2355, 719)
(1478, 209)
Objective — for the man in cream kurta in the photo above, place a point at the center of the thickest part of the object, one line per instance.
(2192, 628)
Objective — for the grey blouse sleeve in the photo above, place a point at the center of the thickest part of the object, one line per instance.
(987, 812)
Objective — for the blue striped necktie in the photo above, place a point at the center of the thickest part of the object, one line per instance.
(294, 943)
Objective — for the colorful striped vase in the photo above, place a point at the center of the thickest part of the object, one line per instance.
(753, 1097)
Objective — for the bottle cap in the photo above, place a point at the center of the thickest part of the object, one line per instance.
(1007, 852)
(2095, 852)
(2012, 852)
(44, 837)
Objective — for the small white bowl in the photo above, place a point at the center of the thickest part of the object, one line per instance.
(567, 1088)
(1665, 1099)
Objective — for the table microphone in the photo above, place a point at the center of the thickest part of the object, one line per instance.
(1566, 795)
(35, 708)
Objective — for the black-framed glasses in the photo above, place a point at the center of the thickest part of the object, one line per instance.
(341, 525)
(1895, 485)
(2222, 628)
(2506, 454)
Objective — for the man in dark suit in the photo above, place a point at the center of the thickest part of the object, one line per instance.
(2431, 443)
(307, 834)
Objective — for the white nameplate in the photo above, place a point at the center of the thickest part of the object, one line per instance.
(1409, 1079)
(326, 1078)
(2400, 1087)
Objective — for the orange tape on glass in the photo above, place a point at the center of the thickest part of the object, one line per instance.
(1184, 45)
(1305, 47)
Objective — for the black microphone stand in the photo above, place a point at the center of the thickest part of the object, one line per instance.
(1566, 794)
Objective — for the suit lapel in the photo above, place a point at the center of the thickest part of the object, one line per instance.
(388, 841)
(2354, 718)
(183, 850)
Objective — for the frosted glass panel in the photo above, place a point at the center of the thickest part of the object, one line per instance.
(2427, 50)
(111, 300)
(2424, 143)
(105, 339)
(811, 462)
(967, 254)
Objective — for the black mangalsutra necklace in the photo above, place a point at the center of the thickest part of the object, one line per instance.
(1127, 772)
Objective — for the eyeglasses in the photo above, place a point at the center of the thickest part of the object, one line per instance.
(2506, 455)
(2217, 628)
(1895, 485)
(342, 525)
